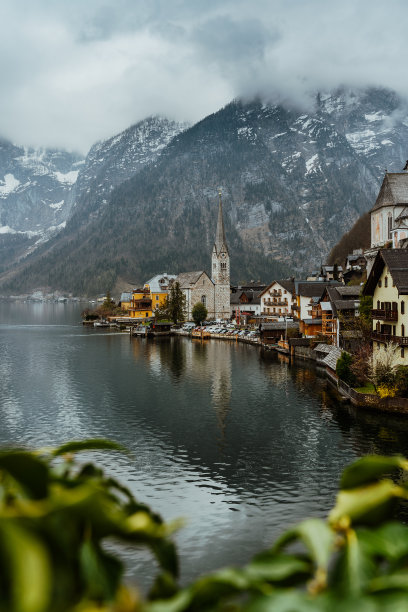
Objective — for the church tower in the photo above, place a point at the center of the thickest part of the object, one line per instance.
(220, 269)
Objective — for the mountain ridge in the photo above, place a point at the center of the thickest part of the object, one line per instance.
(292, 183)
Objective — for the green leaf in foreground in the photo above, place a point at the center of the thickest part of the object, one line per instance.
(354, 568)
(29, 471)
(370, 469)
(26, 560)
(316, 535)
(87, 445)
(369, 504)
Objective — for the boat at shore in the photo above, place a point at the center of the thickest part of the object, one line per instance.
(200, 334)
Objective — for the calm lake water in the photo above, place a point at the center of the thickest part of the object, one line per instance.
(237, 442)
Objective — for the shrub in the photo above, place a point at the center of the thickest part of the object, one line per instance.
(343, 369)
(401, 380)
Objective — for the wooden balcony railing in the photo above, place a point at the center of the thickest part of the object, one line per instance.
(384, 314)
(402, 340)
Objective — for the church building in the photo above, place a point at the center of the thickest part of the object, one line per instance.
(214, 291)
(389, 215)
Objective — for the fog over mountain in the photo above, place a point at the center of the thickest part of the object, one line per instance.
(145, 200)
(73, 73)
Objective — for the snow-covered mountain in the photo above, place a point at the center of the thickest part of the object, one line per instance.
(40, 189)
(293, 182)
(35, 189)
(112, 162)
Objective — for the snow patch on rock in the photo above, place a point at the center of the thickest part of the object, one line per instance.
(9, 185)
(69, 178)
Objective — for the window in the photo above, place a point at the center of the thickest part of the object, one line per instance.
(386, 281)
(402, 307)
(157, 298)
(223, 265)
(402, 352)
(204, 300)
(380, 283)
(378, 304)
(402, 330)
(389, 225)
(147, 314)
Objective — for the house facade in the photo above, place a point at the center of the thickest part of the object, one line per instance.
(388, 285)
(337, 308)
(197, 287)
(277, 300)
(306, 311)
(141, 304)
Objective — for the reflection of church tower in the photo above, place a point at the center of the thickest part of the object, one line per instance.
(221, 385)
(220, 269)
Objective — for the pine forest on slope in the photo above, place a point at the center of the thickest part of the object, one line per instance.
(292, 183)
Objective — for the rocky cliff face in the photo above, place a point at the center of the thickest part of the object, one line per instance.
(41, 189)
(35, 196)
(112, 162)
(293, 182)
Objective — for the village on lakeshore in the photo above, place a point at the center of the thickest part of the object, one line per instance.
(350, 318)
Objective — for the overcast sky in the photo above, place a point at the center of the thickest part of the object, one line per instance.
(77, 71)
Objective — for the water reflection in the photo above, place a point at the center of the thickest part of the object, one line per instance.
(235, 440)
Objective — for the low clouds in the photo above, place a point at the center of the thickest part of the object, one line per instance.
(76, 72)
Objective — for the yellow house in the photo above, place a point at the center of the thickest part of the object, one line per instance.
(388, 284)
(141, 304)
(152, 296)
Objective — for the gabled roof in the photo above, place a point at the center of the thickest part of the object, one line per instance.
(280, 325)
(331, 358)
(235, 297)
(160, 283)
(186, 279)
(396, 261)
(343, 298)
(350, 290)
(322, 348)
(314, 288)
(287, 283)
(394, 190)
(126, 296)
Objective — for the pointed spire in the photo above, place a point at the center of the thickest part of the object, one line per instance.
(220, 240)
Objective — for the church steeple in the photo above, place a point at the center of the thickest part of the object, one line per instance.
(220, 240)
(220, 269)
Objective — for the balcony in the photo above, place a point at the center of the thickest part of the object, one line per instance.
(401, 340)
(384, 314)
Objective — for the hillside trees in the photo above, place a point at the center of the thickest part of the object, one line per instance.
(358, 237)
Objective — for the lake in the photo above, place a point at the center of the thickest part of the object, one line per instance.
(238, 442)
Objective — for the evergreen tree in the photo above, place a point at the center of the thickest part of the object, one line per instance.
(176, 304)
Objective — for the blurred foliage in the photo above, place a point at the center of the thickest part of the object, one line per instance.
(57, 513)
